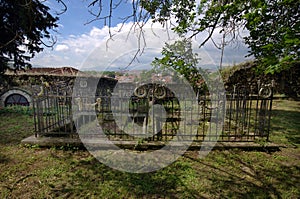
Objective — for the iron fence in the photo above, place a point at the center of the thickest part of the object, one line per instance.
(153, 112)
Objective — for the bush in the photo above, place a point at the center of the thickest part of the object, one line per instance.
(25, 110)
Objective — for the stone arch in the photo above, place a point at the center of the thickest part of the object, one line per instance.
(15, 91)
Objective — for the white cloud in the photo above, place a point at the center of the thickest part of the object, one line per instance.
(96, 32)
(61, 47)
(95, 51)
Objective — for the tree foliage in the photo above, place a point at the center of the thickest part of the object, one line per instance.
(24, 24)
(274, 33)
(273, 25)
(179, 56)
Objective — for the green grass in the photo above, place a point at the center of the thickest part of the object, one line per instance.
(33, 172)
(25, 110)
(286, 122)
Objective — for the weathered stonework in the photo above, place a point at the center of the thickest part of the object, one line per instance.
(30, 83)
(15, 90)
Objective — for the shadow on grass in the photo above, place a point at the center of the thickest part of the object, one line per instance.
(4, 159)
(14, 127)
(285, 124)
(238, 174)
(89, 177)
(222, 174)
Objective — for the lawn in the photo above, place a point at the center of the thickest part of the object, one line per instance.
(69, 172)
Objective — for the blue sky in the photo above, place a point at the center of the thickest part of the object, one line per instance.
(78, 42)
(75, 20)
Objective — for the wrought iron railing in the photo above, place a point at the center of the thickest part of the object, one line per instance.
(244, 115)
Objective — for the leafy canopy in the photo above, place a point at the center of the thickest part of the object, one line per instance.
(24, 24)
(179, 56)
(273, 25)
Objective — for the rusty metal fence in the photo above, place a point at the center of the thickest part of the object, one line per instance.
(53, 111)
(129, 114)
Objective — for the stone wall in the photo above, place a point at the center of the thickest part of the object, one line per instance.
(286, 82)
(30, 85)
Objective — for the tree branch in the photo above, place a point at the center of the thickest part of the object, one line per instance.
(211, 32)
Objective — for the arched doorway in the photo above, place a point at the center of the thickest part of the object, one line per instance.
(16, 99)
(15, 96)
